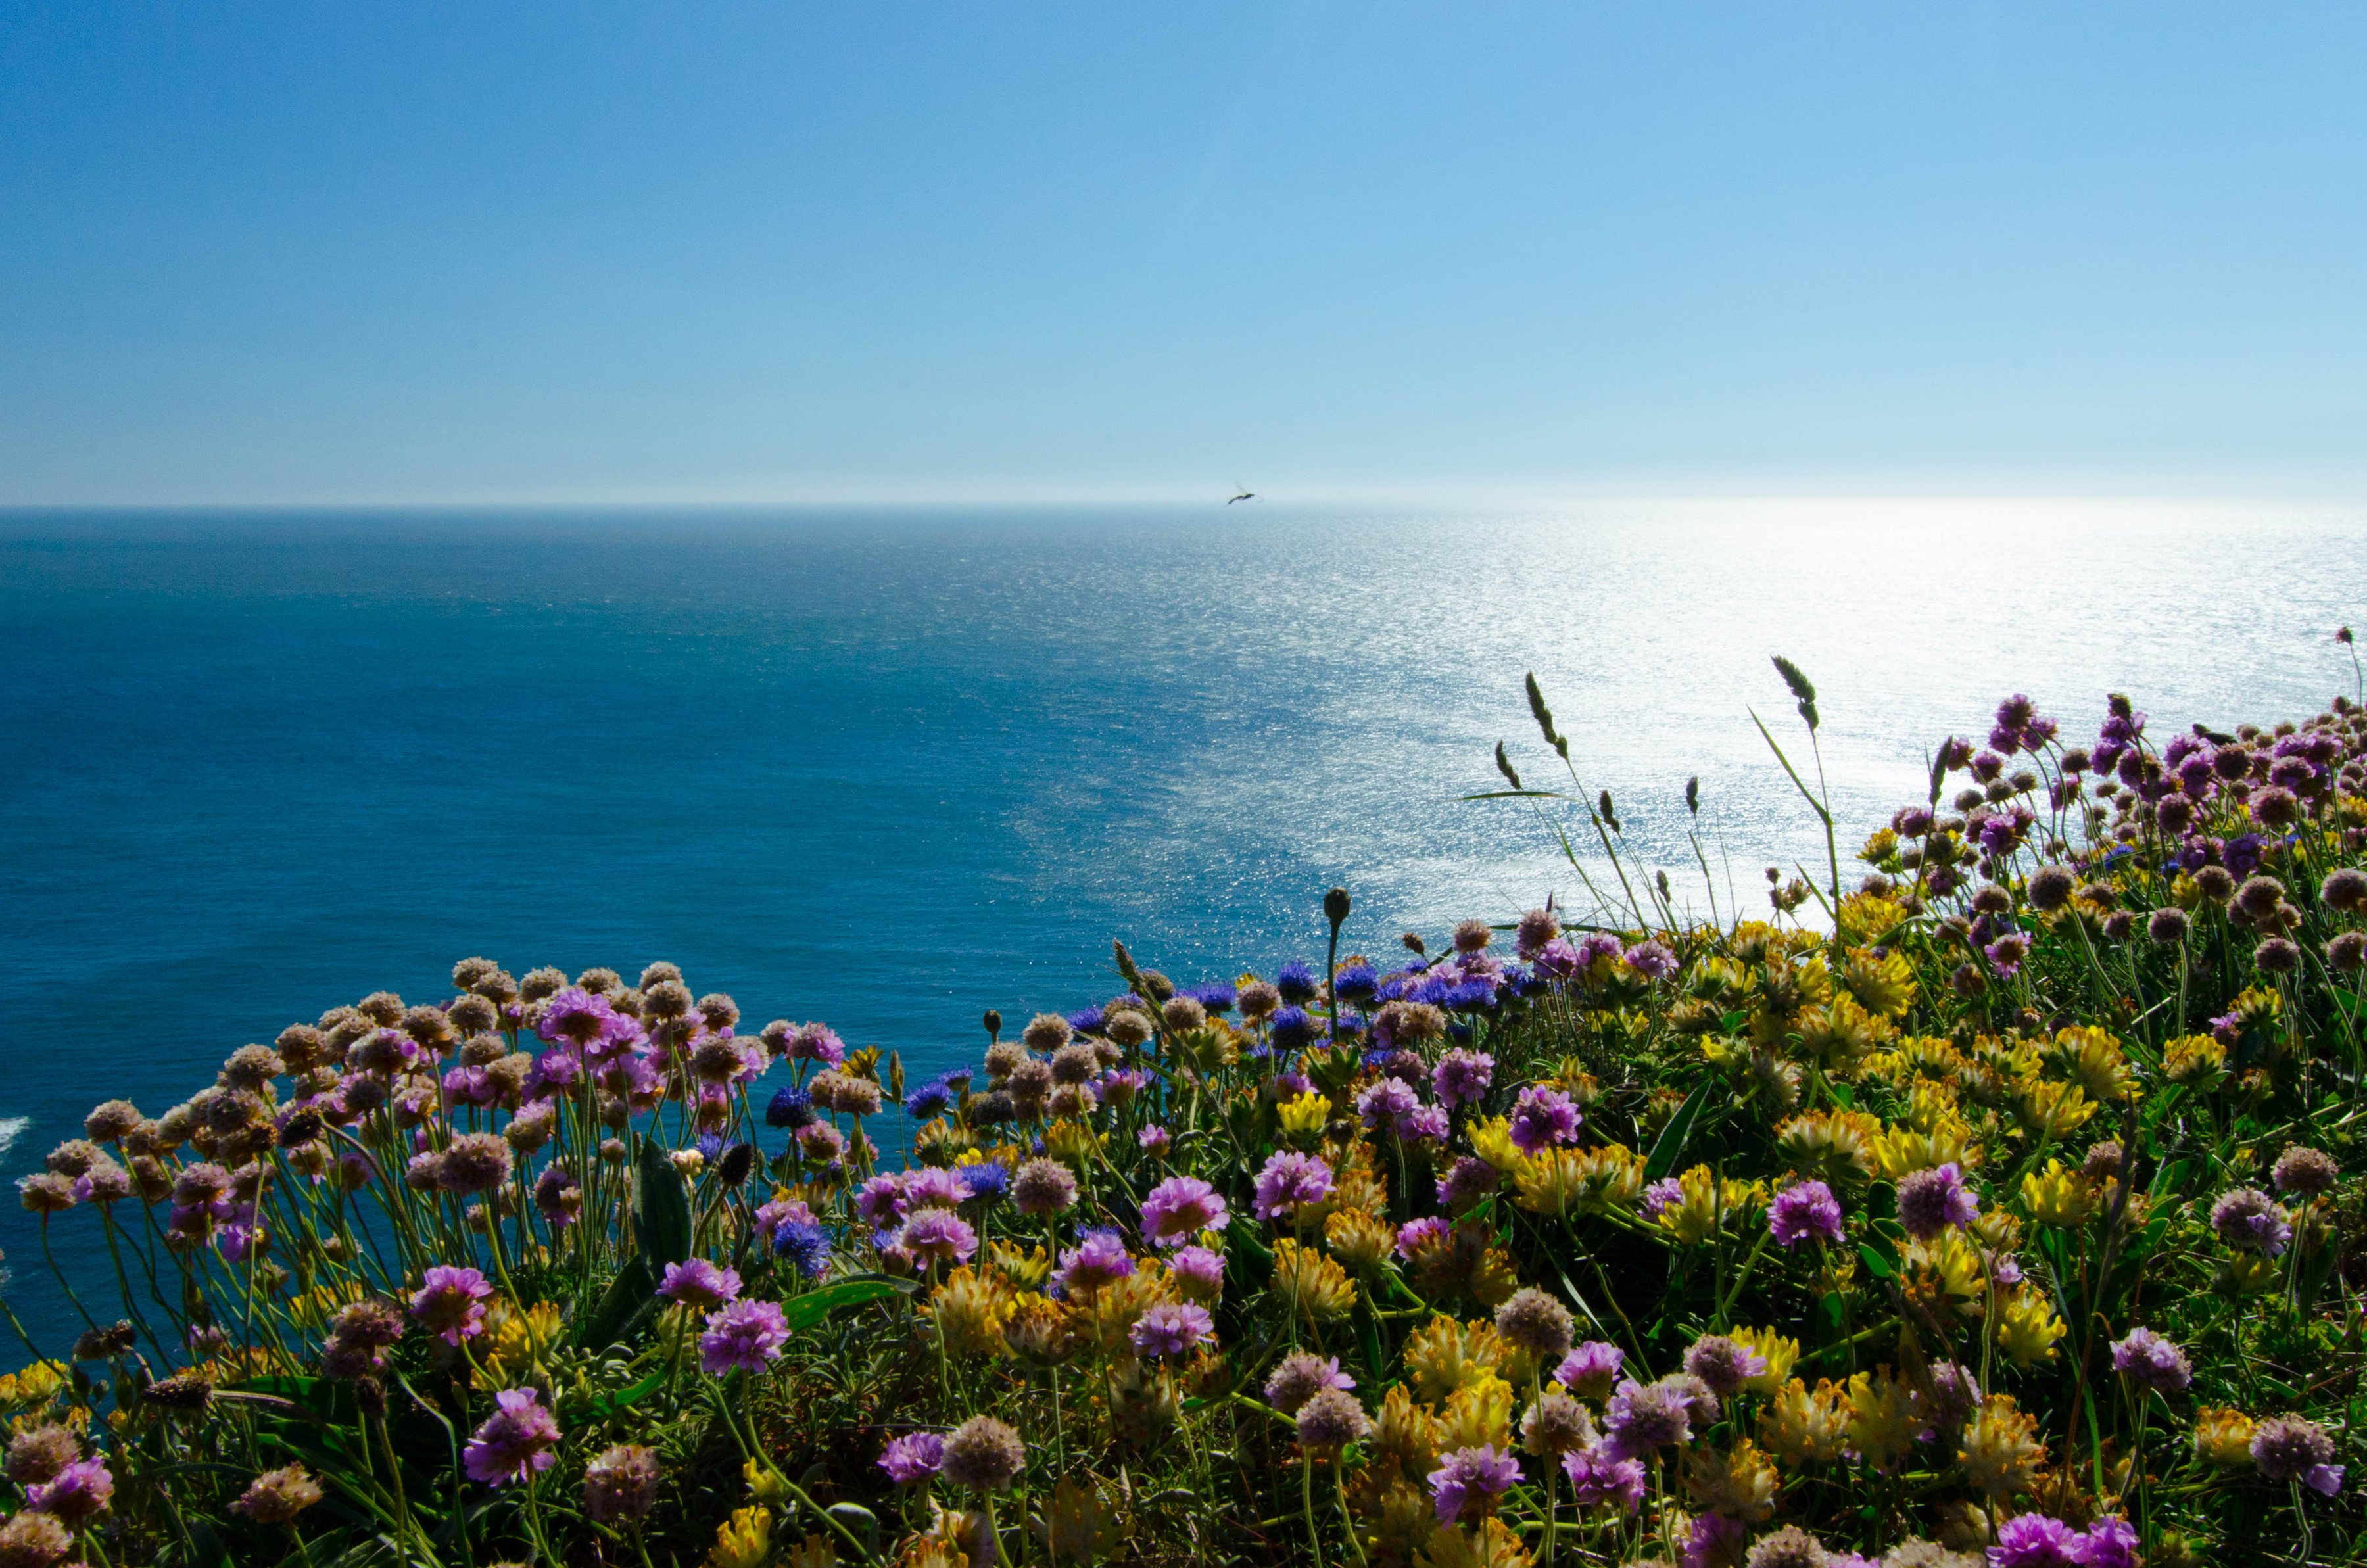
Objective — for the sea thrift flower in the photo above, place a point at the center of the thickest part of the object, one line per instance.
(277, 1497)
(1290, 1181)
(1416, 1235)
(1804, 1212)
(1155, 1141)
(1043, 1187)
(743, 1336)
(1199, 1272)
(450, 1303)
(1542, 1117)
(622, 1486)
(1330, 1420)
(983, 1453)
(1178, 1208)
(2250, 1221)
(1598, 1476)
(1170, 1329)
(1652, 960)
(1723, 1364)
(939, 1235)
(699, 1283)
(2305, 1171)
(2150, 1361)
(1533, 1321)
(75, 1493)
(1300, 1377)
(1387, 1105)
(2034, 1541)
(519, 1439)
(2111, 1542)
(1645, 1416)
(1591, 1370)
(1099, 1259)
(1461, 1076)
(2288, 1448)
(1931, 1202)
(914, 1458)
(1468, 1481)
(1660, 1195)
(1466, 1182)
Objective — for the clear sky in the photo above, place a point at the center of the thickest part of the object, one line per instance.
(417, 251)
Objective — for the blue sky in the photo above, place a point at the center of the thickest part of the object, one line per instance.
(360, 252)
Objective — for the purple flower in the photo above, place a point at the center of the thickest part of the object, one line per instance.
(2148, 1360)
(2034, 1541)
(2290, 1447)
(1100, 1258)
(1155, 1140)
(2006, 953)
(1542, 1116)
(1597, 1477)
(939, 1234)
(1199, 1272)
(1424, 1123)
(1804, 1212)
(2111, 1542)
(743, 1336)
(880, 1200)
(815, 1043)
(1461, 1076)
(1291, 1180)
(1415, 1234)
(914, 1457)
(699, 1283)
(1645, 1416)
(1466, 1182)
(1387, 1104)
(933, 1187)
(1180, 1208)
(1468, 1481)
(1931, 1202)
(1660, 1195)
(1715, 1541)
(1591, 1370)
(1652, 960)
(1723, 1364)
(517, 1439)
(1172, 1329)
(2250, 1221)
(451, 1302)
(74, 1494)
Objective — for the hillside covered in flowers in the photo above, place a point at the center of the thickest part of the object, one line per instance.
(1990, 1197)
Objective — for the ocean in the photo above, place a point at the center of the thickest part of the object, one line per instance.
(890, 768)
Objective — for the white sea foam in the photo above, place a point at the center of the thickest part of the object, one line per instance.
(11, 1129)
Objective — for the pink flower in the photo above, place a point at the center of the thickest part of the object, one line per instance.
(1178, 1208)
(1290, 1181)
(517, 1439)
(451, 1302)
(743, 1336)
(699, 1283)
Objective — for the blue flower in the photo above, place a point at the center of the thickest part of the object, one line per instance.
(709, 1146)
(985, 1179)
(1355, 983)
(806, 1245)
(928, 1100)
(1086, 1021)
(1292, 1029)
(1471, 995)
(792, 1108)
(1296, 984)
(1216, 997)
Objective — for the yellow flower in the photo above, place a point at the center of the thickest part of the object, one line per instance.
(970, 1308)
(1303, 1116)
(1492, 1141)
(2197, 1061)
(1443, 1355)
(2051, 1109)
(36, 1384)
(765, 1484)
(1836, 1146)
(1883, 1420)
(1741, 1484)
(1704, 1202)
(1041, 1331)
(1898, 1151)
(1866, 917)
(1359, 1240)
(743, 1540)
(516, 1340)
(2001, 1453)
(1491, 1545)
(1309, 1282)
(1084, 1521)
(1842, 1034)
(1803, 1427)
(1021, 1270)
(814, 1551)
(1880, 845)
(1780, 1354)
(1073, 1143)
(1406, 1434)
(2093, 1060)
(1613, 1175)
(2224, 1436)
(1885, 986)
(1551, 1181)
(2027, 1327)
(2057, 1196)
(1479, 1413)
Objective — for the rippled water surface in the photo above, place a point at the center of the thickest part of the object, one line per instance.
(889, 769)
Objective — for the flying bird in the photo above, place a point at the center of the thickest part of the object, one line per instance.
(1247, 494)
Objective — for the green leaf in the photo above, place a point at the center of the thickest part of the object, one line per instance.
(628, 1295)
(804, 1311)
(1875, 1263)
(661, 1209)
(608, 1404)
(1672, 1141)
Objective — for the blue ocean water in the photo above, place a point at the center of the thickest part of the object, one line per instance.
(888, 769)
